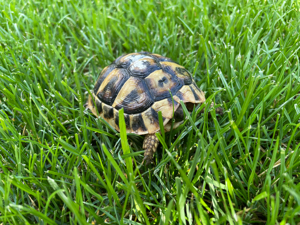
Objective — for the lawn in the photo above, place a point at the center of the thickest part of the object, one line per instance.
(61, 165)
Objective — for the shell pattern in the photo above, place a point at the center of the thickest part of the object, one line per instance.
(142, 84)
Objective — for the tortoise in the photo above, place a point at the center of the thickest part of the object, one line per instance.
(143, 84)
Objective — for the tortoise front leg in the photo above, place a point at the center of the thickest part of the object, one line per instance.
(150, 145)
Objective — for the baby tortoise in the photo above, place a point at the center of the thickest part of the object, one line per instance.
(141, 84)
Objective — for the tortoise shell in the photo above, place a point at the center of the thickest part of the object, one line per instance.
(143, 84)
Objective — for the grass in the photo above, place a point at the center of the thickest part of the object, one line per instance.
(61, 165)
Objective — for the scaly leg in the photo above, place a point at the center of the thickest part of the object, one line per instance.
(150, 145)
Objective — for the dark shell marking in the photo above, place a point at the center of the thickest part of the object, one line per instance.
(151, 122)
(105, 72)
(99, 106)
(189, 94)
(134, 96)
(126, 118)
(108, 111)
(143, 84)
(178, 71)
(179, 114)
(137, 124)
(161, 84)
(111, 85)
